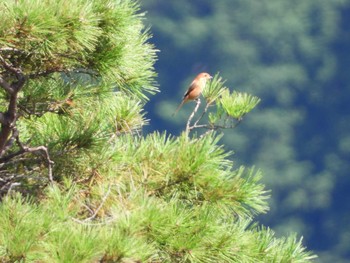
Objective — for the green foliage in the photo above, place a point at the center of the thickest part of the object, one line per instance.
(76, 243)
(234, 105)
(80, 36)
(88, 67)
(214, 89)
(123, 244)
(59, 203)
(22, 228)
(88, 121)
(139, 227)
(128, 115)
(238, 104)
(198, 173)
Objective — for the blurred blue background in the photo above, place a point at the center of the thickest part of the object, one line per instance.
(294, 55)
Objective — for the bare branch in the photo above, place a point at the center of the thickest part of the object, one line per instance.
(108, 221)
(204, 112)
(210, 126)
(8, 157)
(47, 157)
(216, 126)
(198, 102)
(11, 49)
(14, 179)
(11, 162)
(10, 117)
(100, 206)
(25, 149)
(12, 186)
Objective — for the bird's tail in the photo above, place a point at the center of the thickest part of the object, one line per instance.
(178, 108)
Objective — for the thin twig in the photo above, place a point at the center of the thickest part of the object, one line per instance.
(204, 112)
(8, 157)
(47, 158)
(25, 149)
(12, 49)
(12, 186)
(104, 199)
(11, 162)
(88, 208)
(209, 126)
(198, 102)
(110, 220)
(216, 126)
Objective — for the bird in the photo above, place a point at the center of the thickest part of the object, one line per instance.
(195, 89)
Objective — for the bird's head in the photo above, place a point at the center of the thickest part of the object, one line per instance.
(202, 78)
(204, 75)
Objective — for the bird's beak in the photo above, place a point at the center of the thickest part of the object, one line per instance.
(210, 77)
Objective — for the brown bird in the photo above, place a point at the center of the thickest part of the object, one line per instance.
(195, 89)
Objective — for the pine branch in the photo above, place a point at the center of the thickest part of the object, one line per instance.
(9, 118)
(209, 126)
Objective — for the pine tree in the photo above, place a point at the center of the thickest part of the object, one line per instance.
(78, 179)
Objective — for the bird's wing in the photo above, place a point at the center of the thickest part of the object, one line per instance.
(192, 87)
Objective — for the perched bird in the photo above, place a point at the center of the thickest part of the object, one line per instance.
(195, 89)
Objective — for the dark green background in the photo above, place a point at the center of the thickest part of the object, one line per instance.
(294, 55)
